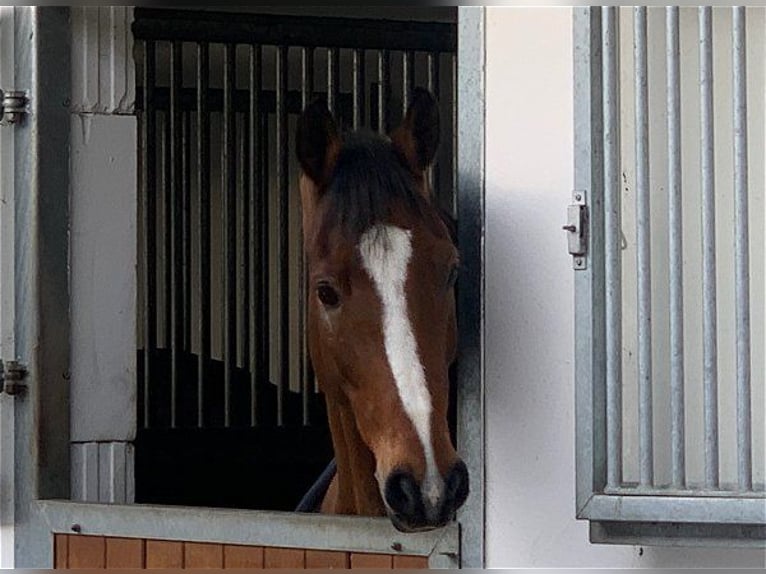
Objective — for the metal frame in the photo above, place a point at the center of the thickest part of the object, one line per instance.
(470, 297)
(42, 426)
(254, 528)
(41, 270)
(618, 515)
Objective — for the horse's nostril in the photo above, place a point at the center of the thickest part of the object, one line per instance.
(457, 485)
(402, 494)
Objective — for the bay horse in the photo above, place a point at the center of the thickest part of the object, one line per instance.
(382, 329)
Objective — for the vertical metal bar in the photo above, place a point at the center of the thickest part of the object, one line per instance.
(358, 88)
(408, 79)
(643, 250)
(257, 252)
(149, 212)
(455, 158)
(741, 246)
(673, 87)
(187, 241)
(307, 91)
(229, 227)
(176, 261)
(333, 80)
(284, 269)
(166, 228)
(384, 82)
(610, 49)
(203, 213)
(434, 88)
(243, 266)
(709, 327)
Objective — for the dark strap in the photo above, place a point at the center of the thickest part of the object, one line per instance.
(312, 500)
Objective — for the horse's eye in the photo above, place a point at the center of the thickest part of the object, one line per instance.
(328, 296)
(452, 279)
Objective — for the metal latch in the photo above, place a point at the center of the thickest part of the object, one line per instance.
(14, 105)
(12, 374)
(576, 228)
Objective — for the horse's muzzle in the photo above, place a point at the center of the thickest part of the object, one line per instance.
(410, 511)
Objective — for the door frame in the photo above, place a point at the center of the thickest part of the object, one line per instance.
(42, 331)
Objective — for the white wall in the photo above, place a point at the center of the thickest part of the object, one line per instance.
(530, 385)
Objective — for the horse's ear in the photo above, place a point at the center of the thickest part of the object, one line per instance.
(317, 142)
(417, 138)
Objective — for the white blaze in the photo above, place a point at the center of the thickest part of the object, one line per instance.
(386, 252)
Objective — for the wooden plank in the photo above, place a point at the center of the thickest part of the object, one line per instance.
(203, 555)
(87, 551)
(124, 553)
(235, 556)
(61, 551)
(410, 562)
(326, 559)
(382, 561)
(284, 558)
(164, 554)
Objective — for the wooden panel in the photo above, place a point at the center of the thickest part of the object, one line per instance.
(284, 558)
(201, 555)
(164, 554)
(326, 559)
(410, 562)
(61, 551)
(242, 556)
(124, 553)
(372, 561)
(87, 551)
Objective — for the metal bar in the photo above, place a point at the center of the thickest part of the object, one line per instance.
(408, 79)
(359, 92)
(149, 210)
(187, 241)
(203, 200)
(41, 243)
(455, 158)
(166, 228)
(741, 246)
(175, 214)
(679, 509)
(307, 90)
(267, 29)
(282, 177)
(709, 328)
(613, 300)
(243, 266)
(256, 250)
(470, 296)
(384, 82)
(673, 88)
(333, 80)
(229, 229)
(245, 527)
(589, 318)
(434, 88)
(643, 250)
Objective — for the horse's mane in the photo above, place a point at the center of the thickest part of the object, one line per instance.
(369, 180)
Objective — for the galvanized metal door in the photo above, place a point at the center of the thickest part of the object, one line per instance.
(670, 297)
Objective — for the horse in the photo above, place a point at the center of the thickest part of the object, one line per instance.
(381, 321)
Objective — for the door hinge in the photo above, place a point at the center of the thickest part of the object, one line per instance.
(13, 105)
(577, 230)
(12, 375)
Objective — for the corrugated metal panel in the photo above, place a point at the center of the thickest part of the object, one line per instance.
(103, 70)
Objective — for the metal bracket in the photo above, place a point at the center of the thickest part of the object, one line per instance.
(13, 105)
(577, 230)
(12, 374)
